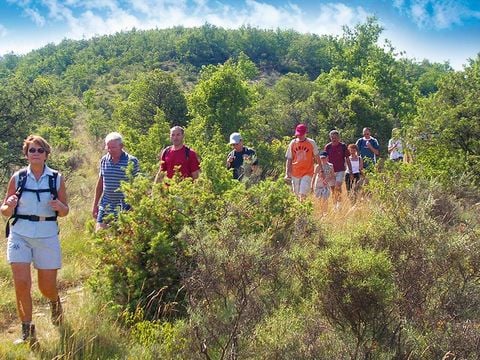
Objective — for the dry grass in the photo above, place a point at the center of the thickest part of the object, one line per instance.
(87, 332)
(341, 219)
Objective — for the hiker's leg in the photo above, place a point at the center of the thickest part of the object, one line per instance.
(47, 259)
(22, 280)
(304, 188)
(47, 283)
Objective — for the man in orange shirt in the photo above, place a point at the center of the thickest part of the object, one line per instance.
(302, 153)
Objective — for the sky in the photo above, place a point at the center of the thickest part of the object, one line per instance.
(437, 30)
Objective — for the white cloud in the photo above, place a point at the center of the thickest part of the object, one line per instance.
(437, 14)
(35, 16)
(57, 11)
(334, 16)
(142, 6)
(152, 7)
(89, 24)
(91, 17)
(87, 18)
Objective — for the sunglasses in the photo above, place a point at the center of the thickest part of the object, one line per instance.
(34, 150)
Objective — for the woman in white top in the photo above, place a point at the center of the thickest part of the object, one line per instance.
(35, 197)
(352, 179)
(395, 147)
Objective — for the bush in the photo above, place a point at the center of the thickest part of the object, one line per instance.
(431, 238)
(140, 256)
(159, 340)
(356, 291)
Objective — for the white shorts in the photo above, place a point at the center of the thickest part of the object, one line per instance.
(45, 252)
(301, 186)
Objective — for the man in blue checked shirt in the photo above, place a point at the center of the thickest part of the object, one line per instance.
(109, 199)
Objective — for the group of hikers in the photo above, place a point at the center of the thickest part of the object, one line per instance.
(36, 196)
(324, 172)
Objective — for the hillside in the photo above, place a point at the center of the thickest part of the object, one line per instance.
(218, 268)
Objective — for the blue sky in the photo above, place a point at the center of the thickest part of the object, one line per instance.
(437, 30)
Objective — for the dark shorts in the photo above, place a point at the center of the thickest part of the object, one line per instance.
(350, 183)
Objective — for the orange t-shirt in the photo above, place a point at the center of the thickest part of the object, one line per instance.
(302, 154)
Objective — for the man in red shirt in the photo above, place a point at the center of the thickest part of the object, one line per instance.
(178, 157)
(338, 156)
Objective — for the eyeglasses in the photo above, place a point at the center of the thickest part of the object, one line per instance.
(34, 150)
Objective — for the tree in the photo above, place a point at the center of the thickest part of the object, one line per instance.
(308, 53)
(220, 98)
(347, 105)
(425, 75)
(281, 108)
(445, 132)
(353, 50)
(155, 103)
(20, 105)
(150, 93)
(203, 46)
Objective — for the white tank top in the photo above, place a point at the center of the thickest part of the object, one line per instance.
(355, 165)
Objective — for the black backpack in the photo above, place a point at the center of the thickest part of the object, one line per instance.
(21, 182)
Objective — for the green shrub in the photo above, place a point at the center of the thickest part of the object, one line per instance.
(356, 291)
(158, 340)
(238, 262)
(431, 237)
(298, 332)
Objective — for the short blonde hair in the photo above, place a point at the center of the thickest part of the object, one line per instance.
(37, 140)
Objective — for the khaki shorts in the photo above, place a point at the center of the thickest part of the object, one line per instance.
(301, 186)
(44, 252)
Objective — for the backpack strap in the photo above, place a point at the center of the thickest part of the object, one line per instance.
(52, 184)
(21, 181)
(167, 149)
(164, 152)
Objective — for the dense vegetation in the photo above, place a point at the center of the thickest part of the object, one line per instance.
(222, 269)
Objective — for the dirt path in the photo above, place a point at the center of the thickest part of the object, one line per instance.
(41, 315)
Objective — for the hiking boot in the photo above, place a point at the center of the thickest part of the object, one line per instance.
(57, 312)
(28, 335)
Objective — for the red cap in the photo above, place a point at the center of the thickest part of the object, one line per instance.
(300, 130)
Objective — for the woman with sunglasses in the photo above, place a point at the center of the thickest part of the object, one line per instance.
(33, 236)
